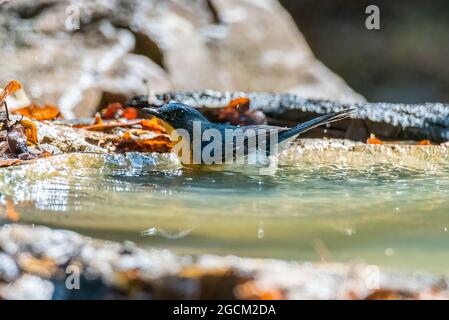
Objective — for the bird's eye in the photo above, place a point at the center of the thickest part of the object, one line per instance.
(180, 113)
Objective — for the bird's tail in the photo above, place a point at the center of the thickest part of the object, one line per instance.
(305, 126)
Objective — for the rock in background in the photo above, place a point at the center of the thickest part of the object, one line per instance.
(84, 54)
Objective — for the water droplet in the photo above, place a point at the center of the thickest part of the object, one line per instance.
(260, 231)
(149, 232)
(389, 252)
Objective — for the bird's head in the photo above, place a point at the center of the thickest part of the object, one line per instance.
(177, 115)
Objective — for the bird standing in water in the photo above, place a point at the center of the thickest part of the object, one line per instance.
(232, 142)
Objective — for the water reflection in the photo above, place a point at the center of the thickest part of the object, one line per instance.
(353, 211)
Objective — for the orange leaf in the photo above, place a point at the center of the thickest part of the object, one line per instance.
(98, 119)
(234, 110)
(45, 154)
(237, 112)
(239, 103)
(424, 143)
(44, 267)
(10, 89)
(112, 111)
(116, 110)
(9, 162)
(158, 144)
(250, 291)
(13, 86)
(154, 125)
(30, 130)
(34, 111)
(373, 140)
(111, 125)
(130, 113)
(11, 212)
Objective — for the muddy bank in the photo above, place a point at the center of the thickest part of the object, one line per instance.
(40, 263)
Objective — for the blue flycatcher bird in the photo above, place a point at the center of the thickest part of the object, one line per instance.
(235, 140)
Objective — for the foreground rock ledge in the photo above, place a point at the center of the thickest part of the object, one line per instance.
(39, 263)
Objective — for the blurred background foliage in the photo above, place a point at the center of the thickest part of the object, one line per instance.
(407, 60)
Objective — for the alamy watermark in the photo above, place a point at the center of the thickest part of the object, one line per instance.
(73, 18)
(372, 22)
(72, 281)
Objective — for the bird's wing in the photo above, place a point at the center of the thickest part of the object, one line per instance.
(248, 139)
(266, 127)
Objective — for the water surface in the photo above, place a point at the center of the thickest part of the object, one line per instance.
(388, 210)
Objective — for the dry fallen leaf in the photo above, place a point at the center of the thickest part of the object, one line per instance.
(43, 267)
(11, 212)
(234, 110)
(424, 143)
(250, 291)
(40, 113)
(10, 89)
(237, 112)
(9, 162)
(130, 113)
(195, 271)
(373, 140)
(112, 111)
(98, 119)
(155, 125)
(31, 130)
(387, 294)
(111, 125)
(144, 141)
(117, 110)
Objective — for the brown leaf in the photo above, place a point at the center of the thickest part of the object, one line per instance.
(98, 119)
(40, 113)
(130, 113)
(111, 125)
(424, 143)
(112, 111)
(155, 125)
(117, 110)
(10, 89)
(144, 141)
(10, 162)
(373, 140)
(237, 112)
(11, 212)
(387, 294)
(195, 271)
(234, 110)
(250, 291)
(241, 104)
(43, 267)
(160, 144)
(31, 130)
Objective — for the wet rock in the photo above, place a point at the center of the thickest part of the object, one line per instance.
(385, 120)
(94, 269)
(8, 268)
(133, 74)
(122, 47)
(28, 287)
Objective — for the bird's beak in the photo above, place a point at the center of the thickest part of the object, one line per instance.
(153, 112)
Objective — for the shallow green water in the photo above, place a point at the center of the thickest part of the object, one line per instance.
(340, 209)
